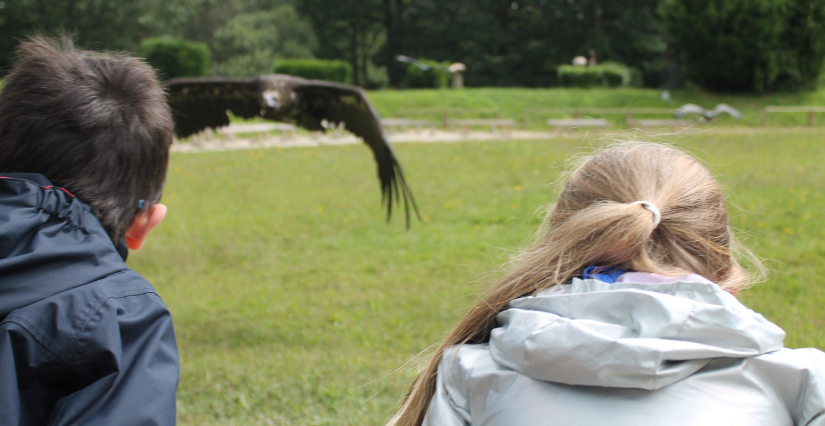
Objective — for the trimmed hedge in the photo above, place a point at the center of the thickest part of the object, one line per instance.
(176, 57)
(437, 76)
(316, 69)
(609, 74)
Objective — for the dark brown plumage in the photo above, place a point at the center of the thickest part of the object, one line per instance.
(200, 103)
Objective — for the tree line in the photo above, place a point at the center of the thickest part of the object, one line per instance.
(722, 45)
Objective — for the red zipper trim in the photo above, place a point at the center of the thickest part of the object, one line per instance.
(44, 187)
(60, 188)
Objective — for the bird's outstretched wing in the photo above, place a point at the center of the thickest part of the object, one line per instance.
(733, 112)
(340, 103)
(200, 103)
(689, 109)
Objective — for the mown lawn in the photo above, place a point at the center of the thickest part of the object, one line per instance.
(514, 102)
(518, 103)
(294, 302)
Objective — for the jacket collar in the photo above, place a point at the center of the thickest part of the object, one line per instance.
(35, 178)
(628, 334)
(50, 242)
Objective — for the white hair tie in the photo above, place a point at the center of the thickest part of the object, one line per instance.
(657, 215)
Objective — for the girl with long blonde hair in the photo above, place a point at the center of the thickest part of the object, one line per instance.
(623, 312)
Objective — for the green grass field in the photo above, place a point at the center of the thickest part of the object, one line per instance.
(294, 302)
(514, 102)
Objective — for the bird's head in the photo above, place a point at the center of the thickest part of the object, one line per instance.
(272, 99)
(276, 96)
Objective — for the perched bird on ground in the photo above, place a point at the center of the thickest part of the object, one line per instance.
(200, 103)
(707, 114)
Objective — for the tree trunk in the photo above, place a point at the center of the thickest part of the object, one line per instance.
(70, 12)
(390, 46)
(353, 45)
(503, 13)
(365, 56)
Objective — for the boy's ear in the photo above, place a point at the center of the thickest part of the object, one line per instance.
(143, 224)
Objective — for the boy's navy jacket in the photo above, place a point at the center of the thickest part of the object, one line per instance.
(84, 340)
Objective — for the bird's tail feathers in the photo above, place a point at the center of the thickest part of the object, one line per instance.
(397, 191)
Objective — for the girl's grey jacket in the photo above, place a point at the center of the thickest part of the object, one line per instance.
(641, 351)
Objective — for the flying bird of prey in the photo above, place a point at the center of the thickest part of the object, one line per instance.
(200, 103)
(422, 66)
(708, 114)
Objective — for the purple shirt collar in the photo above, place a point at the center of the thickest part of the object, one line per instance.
(612, 274)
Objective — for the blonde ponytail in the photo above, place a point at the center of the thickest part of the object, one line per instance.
(597, 220)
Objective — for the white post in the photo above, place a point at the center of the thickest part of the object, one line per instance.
(458, 80)
(458, 74)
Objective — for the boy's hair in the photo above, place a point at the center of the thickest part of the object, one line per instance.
(596, 222)
(95, 124)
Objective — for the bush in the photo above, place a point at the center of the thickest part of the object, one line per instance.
(749, 45)
(176, 57)
(316, 69)
(436, 76)
(576, 76)
(609, 74)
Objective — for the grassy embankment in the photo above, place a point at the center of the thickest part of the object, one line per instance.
(295, 304)
(521, 103)
(514, 102)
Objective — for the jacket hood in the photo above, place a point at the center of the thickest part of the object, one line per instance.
(642, 335)
(50, 242)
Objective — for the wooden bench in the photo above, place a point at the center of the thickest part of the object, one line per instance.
(259, 129)
(589, 112)
(403, 123)
(560, 125)
(446, 114)
(505, 124)
(665, 123)
(809, 109)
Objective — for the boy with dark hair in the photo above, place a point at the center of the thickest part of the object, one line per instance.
(84, 146)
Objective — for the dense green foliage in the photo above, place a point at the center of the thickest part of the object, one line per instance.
(176, 57)
(318, 69)
(609, 74)
(722, 45)
(437, 75)
(112, 23)
(351, 30)
(98, 24)
(245, 36)
(248, 43)
(804, 44)
(295, 304)
(503, 43)
(749, 45)
(534, 104)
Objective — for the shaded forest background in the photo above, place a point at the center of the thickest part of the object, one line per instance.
(503, 42)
